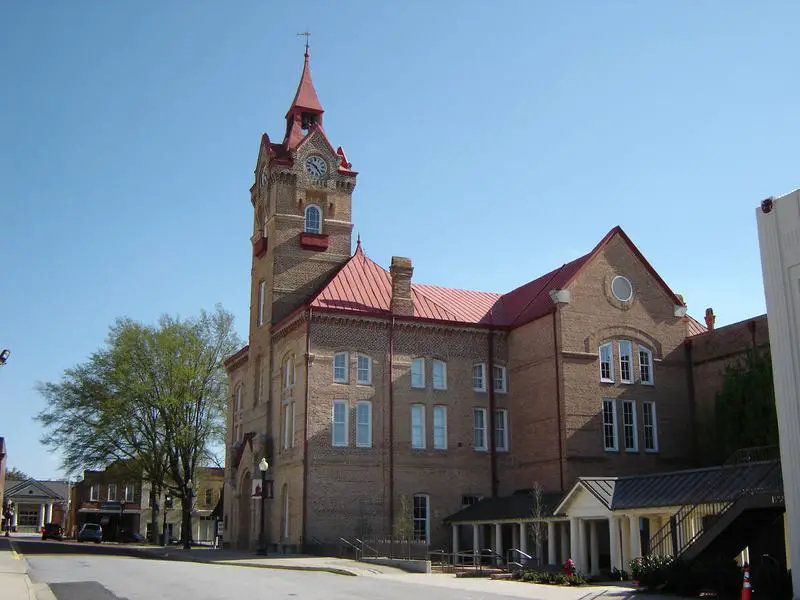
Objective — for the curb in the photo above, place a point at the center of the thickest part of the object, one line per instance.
(232, 563)
(41, 591)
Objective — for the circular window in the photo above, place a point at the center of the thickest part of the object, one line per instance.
(621, 288)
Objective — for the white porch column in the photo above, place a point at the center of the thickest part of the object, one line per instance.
(514, 537)
(42, 514)
(476, 540)
(594, 549)
(564, 541)
(49, 515)
(16, 512)
(636, 540)
(523, 537)
(455, 543)
(551, 543)
(575, 540)
(614, 545)
(497, 546)
(583, 546)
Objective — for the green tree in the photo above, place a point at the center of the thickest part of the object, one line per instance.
(152, 400)
(13, 474)
(744, 411)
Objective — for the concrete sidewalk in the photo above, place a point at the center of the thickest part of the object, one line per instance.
(338, 566)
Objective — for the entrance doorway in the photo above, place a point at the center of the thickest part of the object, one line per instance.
(245, 503)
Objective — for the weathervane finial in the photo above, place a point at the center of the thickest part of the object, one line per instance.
(307, 35)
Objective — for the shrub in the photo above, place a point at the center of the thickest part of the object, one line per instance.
(651, 571)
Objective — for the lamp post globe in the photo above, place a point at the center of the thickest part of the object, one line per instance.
(263, 466)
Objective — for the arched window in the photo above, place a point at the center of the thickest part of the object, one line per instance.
(313, 219)
(237, 413)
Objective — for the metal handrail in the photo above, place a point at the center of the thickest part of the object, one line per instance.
(705, 506)
(353, 546)
(365, 545)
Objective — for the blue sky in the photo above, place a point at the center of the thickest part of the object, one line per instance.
(494, 141)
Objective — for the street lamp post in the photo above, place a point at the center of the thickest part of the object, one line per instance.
(187, 535)
(263, 466)
(167, 506)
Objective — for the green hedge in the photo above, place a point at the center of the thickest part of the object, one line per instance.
(552, 578)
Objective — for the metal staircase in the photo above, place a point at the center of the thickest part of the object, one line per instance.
(748, 481)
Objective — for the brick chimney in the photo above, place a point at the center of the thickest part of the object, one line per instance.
(401, 271)
(710, 318)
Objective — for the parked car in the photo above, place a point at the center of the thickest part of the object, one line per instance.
(52, 531)
(91, 532)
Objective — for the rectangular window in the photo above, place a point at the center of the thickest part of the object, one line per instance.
(421, 514)
(288, 372)
(94, 493)
(340, 423)
(440, 427)
(418, 373)
(469, 500)
(340, 367)
(364, 370)
(645, 366)
(629, 431)
(625, 362)
(262, 299)
(112, 492)
(606, 363)
(129, 492)
(610, 425)
(209, 497)
(257, 385)
(439, 375)
(479, 377)
(650, 427)
(288, 425)
(418, 426)
(500, 384)
(501, 430)
(479, 426)
(364, 424)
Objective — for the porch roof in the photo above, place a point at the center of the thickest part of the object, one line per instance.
(516, 507)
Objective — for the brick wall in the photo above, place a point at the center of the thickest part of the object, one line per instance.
(594, 316)
(711, 353)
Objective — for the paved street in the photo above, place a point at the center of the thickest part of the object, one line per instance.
(77, 572)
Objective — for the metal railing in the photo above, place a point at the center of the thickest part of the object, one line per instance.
(690, 521)
(517, 560)
(365, 546)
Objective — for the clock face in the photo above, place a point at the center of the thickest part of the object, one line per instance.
(316, 166)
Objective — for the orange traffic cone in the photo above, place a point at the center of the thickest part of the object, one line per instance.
(746, 589)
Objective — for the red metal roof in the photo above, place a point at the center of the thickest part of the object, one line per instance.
(306, 96)
(362, 286)
(693, 326)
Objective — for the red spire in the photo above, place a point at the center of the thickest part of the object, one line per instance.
(306, 97)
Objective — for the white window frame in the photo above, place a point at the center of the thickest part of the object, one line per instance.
(439, 383)
(481, 382)
(653, 425)
(288, 372)
(418, 378)
(94, 492)
(484, 445)
(306, 228)
(262, 299)
(420, 428)
(426, 519)
(130, 497)
(614, 424)
(345, 425)
(500, 376)
(359, 380)
(288, 424)
(625, 351)
(649, 353)
(610, 347)
(440, 427)
(631, 426)
(237, 412)
(109, 496)
(364, 442)
(501, 424)
(345, 356)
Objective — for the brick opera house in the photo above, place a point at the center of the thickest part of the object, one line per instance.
(369, 392)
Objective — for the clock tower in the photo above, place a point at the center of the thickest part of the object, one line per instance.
(302, 198)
